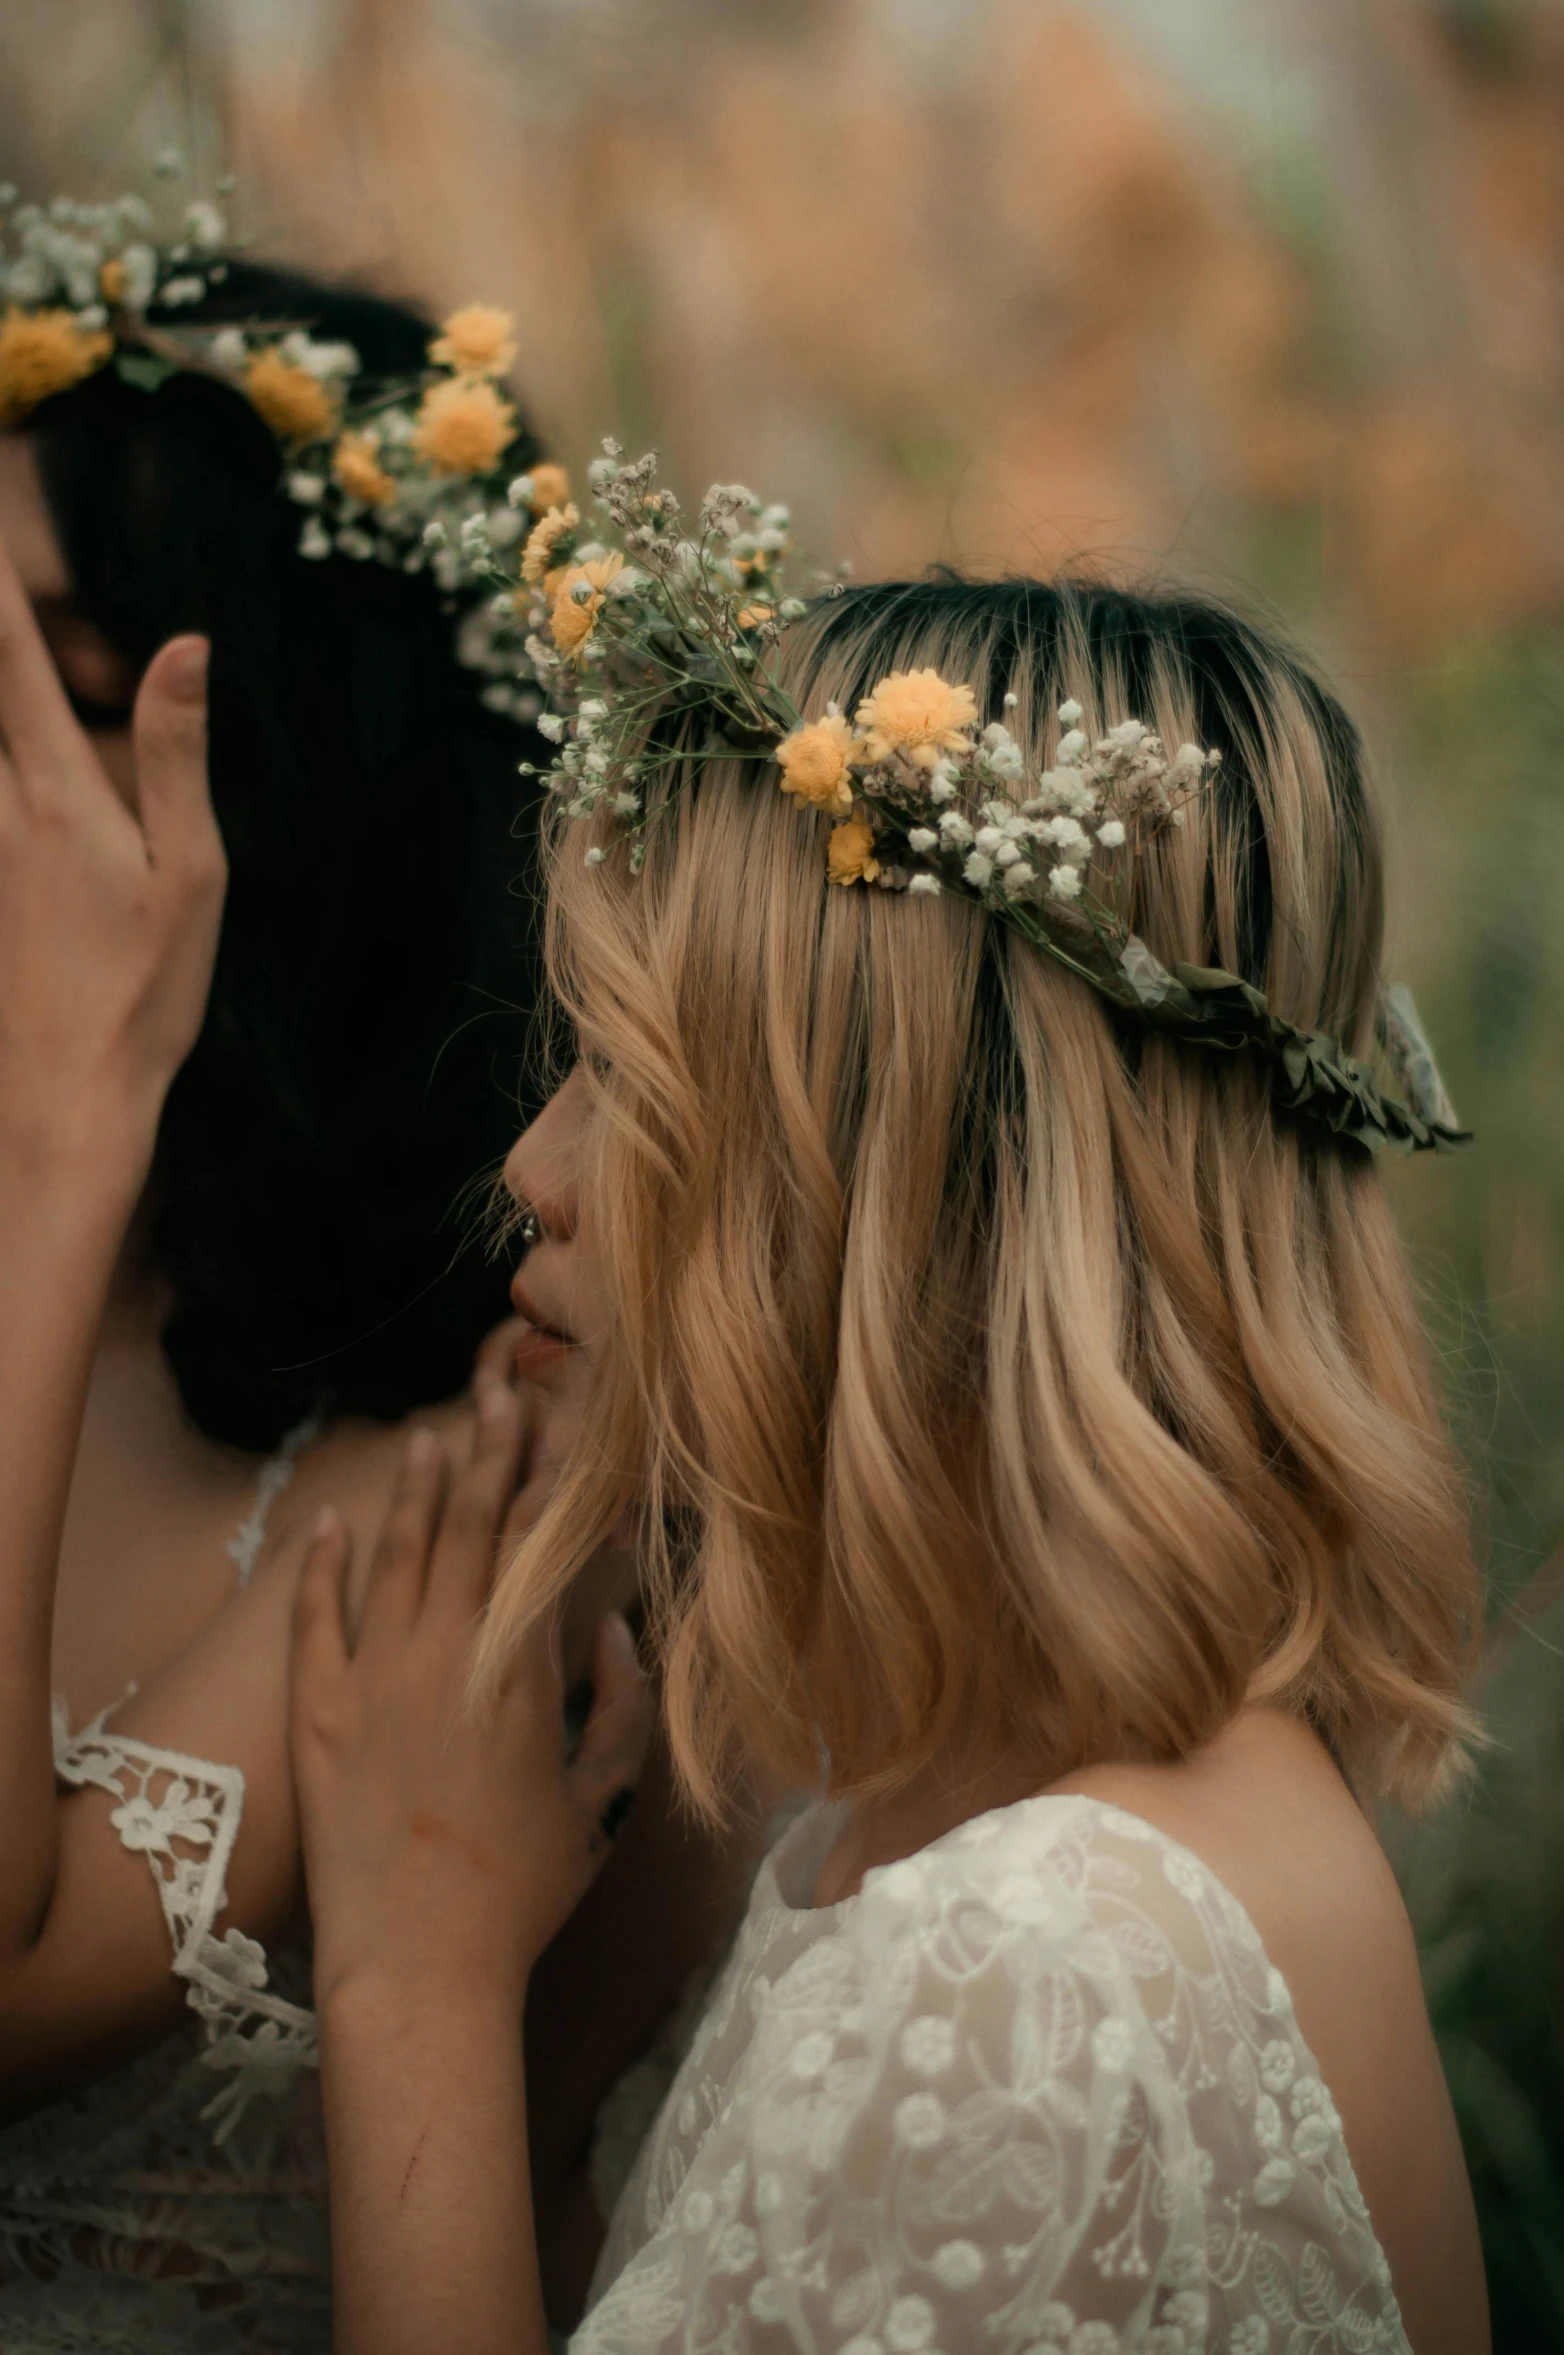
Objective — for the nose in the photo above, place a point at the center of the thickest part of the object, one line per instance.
(542, 1167)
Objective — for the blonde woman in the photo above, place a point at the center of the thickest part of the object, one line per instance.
(1038, 1464)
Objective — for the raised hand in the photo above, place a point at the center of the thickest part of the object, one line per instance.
(108, 916)
(446, 1843)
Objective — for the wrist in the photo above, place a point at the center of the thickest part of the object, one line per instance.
(90, 1166)
(423, 2008)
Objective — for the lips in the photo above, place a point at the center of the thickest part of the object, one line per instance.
(543, 1344)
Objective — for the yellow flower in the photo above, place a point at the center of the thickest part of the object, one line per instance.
(295, 404)
(464, 427)
(476, 341)
(813, 762)
(849, 853)
(572, 617)
(356, 464)
(550, 488)
(537, 558)
(917, 713)
(43, 352)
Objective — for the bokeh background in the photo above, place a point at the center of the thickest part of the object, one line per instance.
(1265, 294)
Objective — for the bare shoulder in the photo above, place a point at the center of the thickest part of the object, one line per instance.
(1267, 1812)
(354, 1467)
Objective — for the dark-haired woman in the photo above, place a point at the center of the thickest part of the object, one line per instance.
(255, 1284)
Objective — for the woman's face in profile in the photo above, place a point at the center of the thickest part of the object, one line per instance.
(99, 680)
(558, 1288)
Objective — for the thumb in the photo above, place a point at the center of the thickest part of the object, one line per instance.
(170, 737)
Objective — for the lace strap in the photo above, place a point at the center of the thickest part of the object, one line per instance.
(182, 1814)
(244, 1547)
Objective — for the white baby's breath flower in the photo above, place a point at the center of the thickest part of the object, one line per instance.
(306, 490)
(1017, 876)
(1071, 747)
(180, 292)
(922, 839)
(1064, 883)
(138, 266)
(519, 491)
(1111, 835)
(979, 869)
(625, 805)
(314, 540)
(1128, 736)
(955, 828)
(926, 886)
(1007, 853)
(988, 839)
(1069, 715)
(552, 726)
(205, 227)
(436, 535)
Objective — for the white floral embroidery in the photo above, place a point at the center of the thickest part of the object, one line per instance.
(1037, 2090)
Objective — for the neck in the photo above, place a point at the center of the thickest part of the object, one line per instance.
(949, 1791)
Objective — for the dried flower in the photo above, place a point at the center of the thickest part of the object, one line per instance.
(813, 761)
(850, 853)
(356, 464)
(463, 427)
(295, 404)
(41, 353)
(550, 488)
(919, 714)
(537, 558)
(573, 613)
(475, 341)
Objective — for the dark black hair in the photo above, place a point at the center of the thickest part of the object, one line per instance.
(363, 1050)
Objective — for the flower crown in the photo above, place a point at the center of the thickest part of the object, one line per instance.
(409, 474)
(654, 635)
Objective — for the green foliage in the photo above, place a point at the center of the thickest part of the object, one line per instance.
(1482, 791)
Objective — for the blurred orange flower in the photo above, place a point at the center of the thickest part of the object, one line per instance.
(43, 352)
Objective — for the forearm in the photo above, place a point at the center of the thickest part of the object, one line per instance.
(432, 2235)
(62, 1218)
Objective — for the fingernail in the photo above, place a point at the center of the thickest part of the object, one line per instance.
(325, 1524)
(422, 1448)
(495, 1402)
(185, 670)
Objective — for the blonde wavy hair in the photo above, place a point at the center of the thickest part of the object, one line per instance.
(992, 1376)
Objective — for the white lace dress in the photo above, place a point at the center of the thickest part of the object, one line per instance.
(165, 2209)
(1036, 2091)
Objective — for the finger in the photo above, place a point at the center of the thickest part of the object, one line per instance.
(401, 1563)
(496, 1358)
(320, 1643)
(41, 732)
(467, 1548)
(607, 1766)
(169, 724)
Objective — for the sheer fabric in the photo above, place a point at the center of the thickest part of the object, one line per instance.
(1035, 2091)
(177, 2205)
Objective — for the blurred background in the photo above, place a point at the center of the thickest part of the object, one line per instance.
(1265, 294)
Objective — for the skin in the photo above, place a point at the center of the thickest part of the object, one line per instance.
(115, 1510)
(432, 2253)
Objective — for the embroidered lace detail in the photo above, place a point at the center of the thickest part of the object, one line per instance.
(244, 1547)
(1037, 2090)
(182, 1814)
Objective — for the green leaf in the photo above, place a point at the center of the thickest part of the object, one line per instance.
(145, 370)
